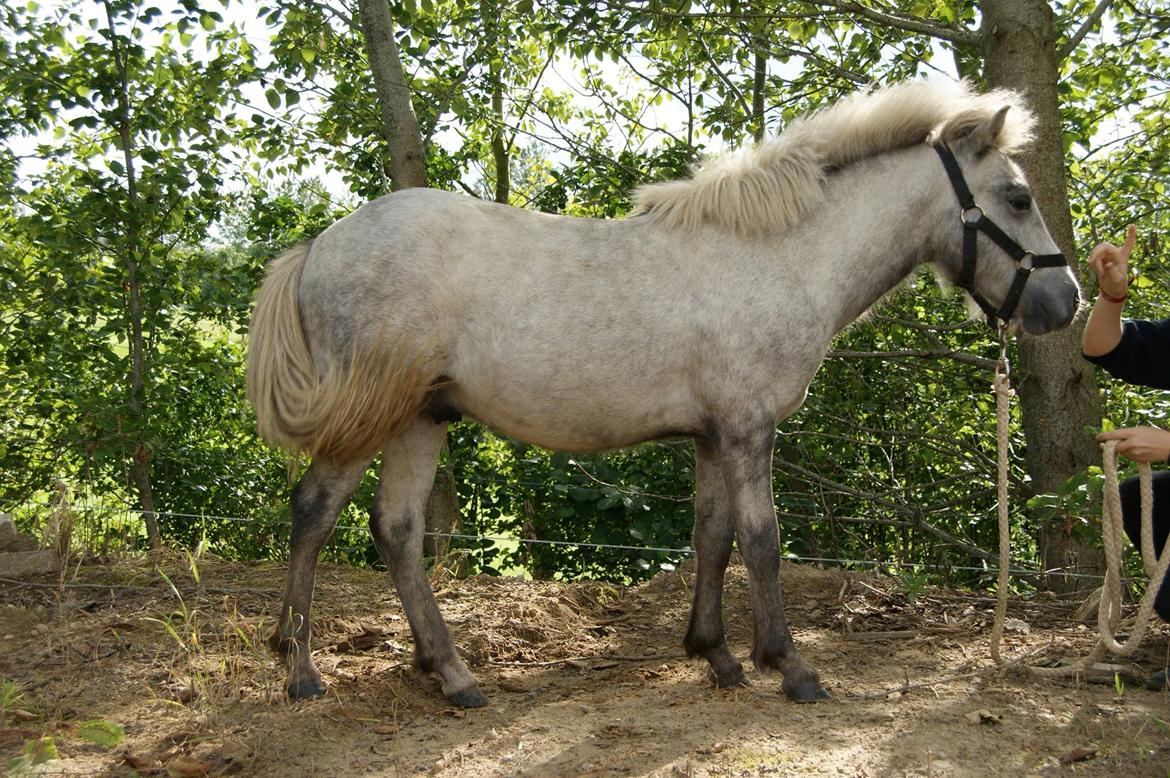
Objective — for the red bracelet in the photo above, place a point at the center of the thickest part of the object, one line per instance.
(1111, 298)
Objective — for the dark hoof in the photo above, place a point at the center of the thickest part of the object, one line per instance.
(729, 680)
(277, 645)
(468, 698)
(808, 691)
(306, 689)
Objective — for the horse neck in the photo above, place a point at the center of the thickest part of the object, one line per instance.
(875, 227)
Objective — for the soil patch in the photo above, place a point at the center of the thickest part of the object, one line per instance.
(583, 678)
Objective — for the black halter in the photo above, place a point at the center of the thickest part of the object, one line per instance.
(974, 220)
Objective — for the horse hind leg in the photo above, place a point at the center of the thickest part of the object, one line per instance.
(316, 503)
(397, 525)
(713, 536)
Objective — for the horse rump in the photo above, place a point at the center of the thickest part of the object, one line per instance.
(340, 406)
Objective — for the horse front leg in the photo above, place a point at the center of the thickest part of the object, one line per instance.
(714, 532)
(398, 525)
(316, 503)
(745, 453)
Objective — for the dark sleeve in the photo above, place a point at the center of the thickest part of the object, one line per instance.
(1143, 355)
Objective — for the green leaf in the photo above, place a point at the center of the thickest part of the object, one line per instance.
(273, 97)
(40, 751)
(102, 732)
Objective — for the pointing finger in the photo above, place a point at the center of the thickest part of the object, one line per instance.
(1130, 241)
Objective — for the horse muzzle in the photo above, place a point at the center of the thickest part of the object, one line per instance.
(1046, 308)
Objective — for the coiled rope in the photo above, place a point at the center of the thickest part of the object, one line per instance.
(1109, 609)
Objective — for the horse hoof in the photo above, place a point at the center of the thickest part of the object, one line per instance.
(468, 698)
(807, 692)
(305, 689)
(729, 680)
(278, 645)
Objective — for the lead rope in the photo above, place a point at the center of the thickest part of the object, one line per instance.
(1109, 609)
(1003, 397)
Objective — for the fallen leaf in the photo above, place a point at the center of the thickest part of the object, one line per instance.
(187, 767)
(141, 763)
(1082, 754)
(104, 733)
(511, 686)
(715, 748)
(366, 639)
(1017, 625)
(235, 751)
(17, 714)
(982, 717)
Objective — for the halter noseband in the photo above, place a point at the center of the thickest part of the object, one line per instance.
(974, 220)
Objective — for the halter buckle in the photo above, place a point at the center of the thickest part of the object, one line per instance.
(971, 222)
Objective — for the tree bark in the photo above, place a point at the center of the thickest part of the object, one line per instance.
(1057, 388)
(759, 81)
(408, 161)
(140, 459)
(408, 168)
(491, 24)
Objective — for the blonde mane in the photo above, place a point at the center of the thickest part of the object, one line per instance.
(771, 185)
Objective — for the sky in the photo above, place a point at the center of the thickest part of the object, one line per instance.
(562, 76)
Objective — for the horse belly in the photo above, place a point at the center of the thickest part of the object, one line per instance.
(577, 418)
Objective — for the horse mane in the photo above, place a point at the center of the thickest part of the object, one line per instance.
(771, 185)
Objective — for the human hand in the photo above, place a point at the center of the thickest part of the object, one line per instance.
(1111, 264)
(1141, 444)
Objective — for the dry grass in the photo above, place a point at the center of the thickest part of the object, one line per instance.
(583, 678)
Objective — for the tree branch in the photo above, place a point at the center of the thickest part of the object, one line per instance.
(1086, 27)
(955, 34)
(925, 353)
(916, 516)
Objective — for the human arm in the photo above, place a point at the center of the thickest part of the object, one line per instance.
(1111, 264)
(1141, 444)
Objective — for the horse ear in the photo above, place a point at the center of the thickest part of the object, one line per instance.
(986, 135)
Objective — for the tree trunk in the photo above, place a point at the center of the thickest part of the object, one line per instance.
(408, 160)
(499, 150)
(443, 518)
(759, 81)
(1057, 388)
(491, 21)
(140, 460)
(408, 168)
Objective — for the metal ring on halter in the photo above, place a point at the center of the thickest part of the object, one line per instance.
(1027, 262)
(974, 208)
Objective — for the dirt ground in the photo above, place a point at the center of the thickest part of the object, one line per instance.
(584, 679)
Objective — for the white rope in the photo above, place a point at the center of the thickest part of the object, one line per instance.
(1109, 612)
(1112, 530)
(1003, 395)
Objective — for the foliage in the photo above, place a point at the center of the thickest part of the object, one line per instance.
(893, 452)
(104, 733)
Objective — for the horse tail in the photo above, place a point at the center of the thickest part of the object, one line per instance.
(342, 412)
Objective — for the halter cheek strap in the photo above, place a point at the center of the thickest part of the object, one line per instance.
(975, 221)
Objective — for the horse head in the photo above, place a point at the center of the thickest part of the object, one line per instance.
(998, 248)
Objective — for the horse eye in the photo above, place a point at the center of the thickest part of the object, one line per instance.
(1021, 202)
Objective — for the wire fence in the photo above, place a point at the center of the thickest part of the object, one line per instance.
(647, 550)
